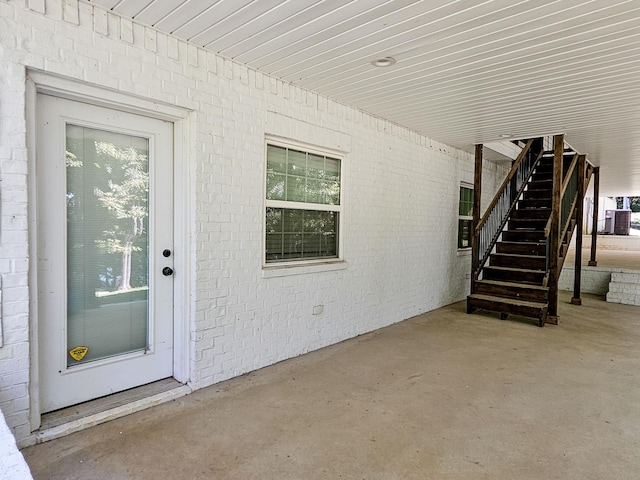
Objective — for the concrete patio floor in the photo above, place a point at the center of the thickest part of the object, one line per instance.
(444, 395)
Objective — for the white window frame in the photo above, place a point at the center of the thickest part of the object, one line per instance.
(463, 217)
(303, 262)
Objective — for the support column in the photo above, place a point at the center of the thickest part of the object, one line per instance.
(477, 194)
(596, 203)
(554, 240)
(577, 277)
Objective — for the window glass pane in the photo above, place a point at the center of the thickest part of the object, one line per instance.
(293, 220)
(107, 242)
(292, 245)
(296, 163)
(274, 220)
(332, 176)
(296, 189)
(274, 245)
(332, 193)
(465, 208)
(316, 191)
(332, 169)
(315, 166)
(306, 234)
(464, 233)
(276, 184)
(276, 159)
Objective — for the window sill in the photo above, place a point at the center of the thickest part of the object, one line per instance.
(463, 252)
(272, 271)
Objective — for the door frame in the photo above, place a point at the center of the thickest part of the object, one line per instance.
(184, 248)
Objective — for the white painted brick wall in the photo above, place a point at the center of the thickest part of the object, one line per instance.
(594, 280)
(400, 196)
(619, 285)
(12, 464)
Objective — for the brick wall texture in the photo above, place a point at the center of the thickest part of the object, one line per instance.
(400, 197)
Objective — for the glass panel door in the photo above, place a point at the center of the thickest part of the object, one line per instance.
(107, 243)
(104, 195)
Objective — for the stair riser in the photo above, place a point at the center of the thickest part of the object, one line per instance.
(531, 213)
(536, 194)
(529, 223)
(523, 236)
(521, 248)
(541, 184)
(522, 293)
(518, 277)
(534, 203)
(498, 260)
(542, 177)
(478, 304)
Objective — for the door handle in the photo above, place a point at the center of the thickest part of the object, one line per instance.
(167, 271)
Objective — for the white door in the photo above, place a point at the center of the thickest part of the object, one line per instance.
(104, 193)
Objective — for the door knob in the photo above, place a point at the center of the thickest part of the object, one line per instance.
(167, 271)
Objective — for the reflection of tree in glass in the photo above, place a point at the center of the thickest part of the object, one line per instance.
(126, 200)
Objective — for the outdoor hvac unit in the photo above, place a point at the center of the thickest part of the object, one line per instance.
(617, 222)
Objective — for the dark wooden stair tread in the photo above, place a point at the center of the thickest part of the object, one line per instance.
(508, 306)
(524, 243)
(515, 270)
(501, 283)
(518, 255)
(508, 301)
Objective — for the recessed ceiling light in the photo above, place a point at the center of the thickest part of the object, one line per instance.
(505, 135)
(383, 62)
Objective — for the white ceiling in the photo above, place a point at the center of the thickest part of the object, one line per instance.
(466, 71)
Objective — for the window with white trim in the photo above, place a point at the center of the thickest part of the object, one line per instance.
(465, 217)
(303, 204)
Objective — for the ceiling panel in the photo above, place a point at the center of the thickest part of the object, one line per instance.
(466, 71)
(157, 10)
(185, 16)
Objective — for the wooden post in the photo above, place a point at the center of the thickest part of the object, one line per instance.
(577, 276)
(477, 193)
(594, 230)
(558, 157)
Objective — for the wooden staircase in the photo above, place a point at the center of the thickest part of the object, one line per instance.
(512, 276)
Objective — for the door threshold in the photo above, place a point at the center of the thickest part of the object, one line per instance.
(89, 414)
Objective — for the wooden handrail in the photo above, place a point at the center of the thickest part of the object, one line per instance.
(547, 228)
(565, 185)
(506, 181)
(566, 227)
(567, 177)
(588, 173)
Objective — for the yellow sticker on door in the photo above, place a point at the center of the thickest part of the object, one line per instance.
(78, 353)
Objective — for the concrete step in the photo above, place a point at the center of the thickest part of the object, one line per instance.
(624, 288)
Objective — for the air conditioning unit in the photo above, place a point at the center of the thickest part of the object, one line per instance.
(617, 222)
(623, 222)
